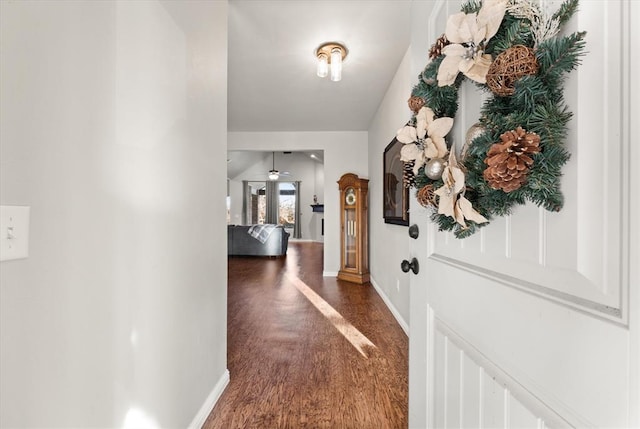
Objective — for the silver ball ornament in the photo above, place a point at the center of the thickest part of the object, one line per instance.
(434, 168)
(474, 131)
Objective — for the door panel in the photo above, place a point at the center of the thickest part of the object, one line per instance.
(527, 323)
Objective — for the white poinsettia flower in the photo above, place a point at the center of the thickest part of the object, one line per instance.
(472, 62)
(464, 210)
(451, 200)
(413, 149)
(413, 152)
(468, 34)
(418, 148)
(408, 134)
(435, 146)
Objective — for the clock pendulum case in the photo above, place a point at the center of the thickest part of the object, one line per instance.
(354, 231)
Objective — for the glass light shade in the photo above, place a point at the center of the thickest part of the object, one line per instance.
(274, 174)
(336, 64)
(323, 65)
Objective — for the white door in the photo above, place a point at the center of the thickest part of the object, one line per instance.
(533, 321)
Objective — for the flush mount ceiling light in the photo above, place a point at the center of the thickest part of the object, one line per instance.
(330, 56)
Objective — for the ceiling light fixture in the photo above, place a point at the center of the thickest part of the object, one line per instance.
(273, 173)
(330, 56)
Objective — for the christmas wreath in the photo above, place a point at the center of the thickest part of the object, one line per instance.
(514, 153)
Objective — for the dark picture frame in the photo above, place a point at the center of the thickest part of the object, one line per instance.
(395, 195)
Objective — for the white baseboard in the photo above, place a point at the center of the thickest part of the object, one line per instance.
(403, 324)
(210, 402)
(329, 274)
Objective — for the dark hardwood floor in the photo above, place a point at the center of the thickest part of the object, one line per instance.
(309, 352)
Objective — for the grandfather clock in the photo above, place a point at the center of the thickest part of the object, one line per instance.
(354, 231)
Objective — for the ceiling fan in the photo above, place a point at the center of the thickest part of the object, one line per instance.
(273, 173)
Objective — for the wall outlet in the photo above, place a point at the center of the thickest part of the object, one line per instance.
(14, 232)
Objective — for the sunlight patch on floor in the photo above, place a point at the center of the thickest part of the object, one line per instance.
(355, 337)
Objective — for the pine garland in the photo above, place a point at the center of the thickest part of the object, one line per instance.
(537, 105)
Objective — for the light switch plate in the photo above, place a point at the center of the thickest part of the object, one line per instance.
(14, 232)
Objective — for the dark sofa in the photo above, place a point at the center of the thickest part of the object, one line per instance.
(241, 243)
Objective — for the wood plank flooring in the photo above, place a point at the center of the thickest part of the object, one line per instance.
(309, 352)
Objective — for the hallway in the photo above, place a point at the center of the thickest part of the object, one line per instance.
(308, 351)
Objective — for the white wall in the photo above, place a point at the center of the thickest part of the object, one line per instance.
(235, 194)
(301, 168)
(108, 111)
(344, 152)
(318, 191)
(392, 114)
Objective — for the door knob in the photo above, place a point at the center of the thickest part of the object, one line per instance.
(405, 266)
(414, 232)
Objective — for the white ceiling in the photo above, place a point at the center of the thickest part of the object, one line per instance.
(272, 71)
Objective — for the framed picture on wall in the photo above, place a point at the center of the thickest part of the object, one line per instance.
(395, 194)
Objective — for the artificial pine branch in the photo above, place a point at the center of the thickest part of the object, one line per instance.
(512, 32)
(559, 56)
(529, 92)
(566, 11)
(471, 229)
(550, 121)
(442, 100)
(499, 202)
(422, 180)
(547, 194)
(471, 6)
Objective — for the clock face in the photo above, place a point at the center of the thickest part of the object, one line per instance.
(350, 196)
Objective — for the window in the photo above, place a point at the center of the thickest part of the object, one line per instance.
(287, 204)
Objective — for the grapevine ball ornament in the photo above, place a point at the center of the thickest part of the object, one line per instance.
(426, 196)
(434, 167)
(508, 67)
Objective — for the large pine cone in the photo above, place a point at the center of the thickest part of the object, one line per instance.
(509, 161)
